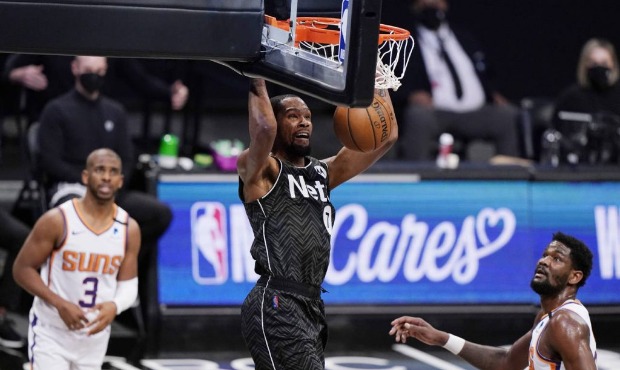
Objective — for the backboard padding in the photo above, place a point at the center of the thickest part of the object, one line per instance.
(186, 29)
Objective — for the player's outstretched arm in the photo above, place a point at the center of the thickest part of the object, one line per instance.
(415, 327)
(482, 357)
(348, 163)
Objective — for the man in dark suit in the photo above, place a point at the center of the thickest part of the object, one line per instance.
(448, 89)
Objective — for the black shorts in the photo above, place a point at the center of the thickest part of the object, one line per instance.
(284, 327)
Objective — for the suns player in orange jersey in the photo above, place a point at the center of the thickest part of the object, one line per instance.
(87, 252)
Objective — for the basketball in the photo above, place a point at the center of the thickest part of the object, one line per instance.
(364, 129)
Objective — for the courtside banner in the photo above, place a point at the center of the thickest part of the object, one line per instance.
(396, 241)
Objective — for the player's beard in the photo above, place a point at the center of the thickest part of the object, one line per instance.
(295, 150)
(546, 288)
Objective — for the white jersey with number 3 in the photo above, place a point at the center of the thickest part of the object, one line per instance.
(539, 362)
(83, 269)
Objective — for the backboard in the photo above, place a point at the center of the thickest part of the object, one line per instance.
(231, 32)
(347, 80)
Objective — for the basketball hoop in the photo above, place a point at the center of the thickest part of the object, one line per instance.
(320, 36)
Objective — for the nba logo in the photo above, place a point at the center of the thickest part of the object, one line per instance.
(209, 243)
(344, 24)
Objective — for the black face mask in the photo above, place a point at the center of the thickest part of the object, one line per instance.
(599, 77)
(431, 18)
(91, 82)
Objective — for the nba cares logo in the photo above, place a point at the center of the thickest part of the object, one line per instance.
(209, 243)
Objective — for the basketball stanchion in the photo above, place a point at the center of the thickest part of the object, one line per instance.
(320, 37)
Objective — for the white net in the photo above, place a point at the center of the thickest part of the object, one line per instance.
(392, 62)
(326, 51)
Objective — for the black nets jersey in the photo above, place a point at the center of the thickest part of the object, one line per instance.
(292, 224)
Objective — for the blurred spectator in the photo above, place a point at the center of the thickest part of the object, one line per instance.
(449, 89)
(75, 124)
(13, 233)
(587, 114)
(46, 77)
(596, 88)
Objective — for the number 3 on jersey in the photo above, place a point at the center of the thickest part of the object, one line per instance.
(90, 292)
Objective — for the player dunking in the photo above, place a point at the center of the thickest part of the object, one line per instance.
(87, 251)
(286, 194)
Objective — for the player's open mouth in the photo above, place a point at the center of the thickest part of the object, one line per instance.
(540, 273)
(303, 136)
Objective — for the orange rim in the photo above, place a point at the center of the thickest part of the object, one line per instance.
(321, 30)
